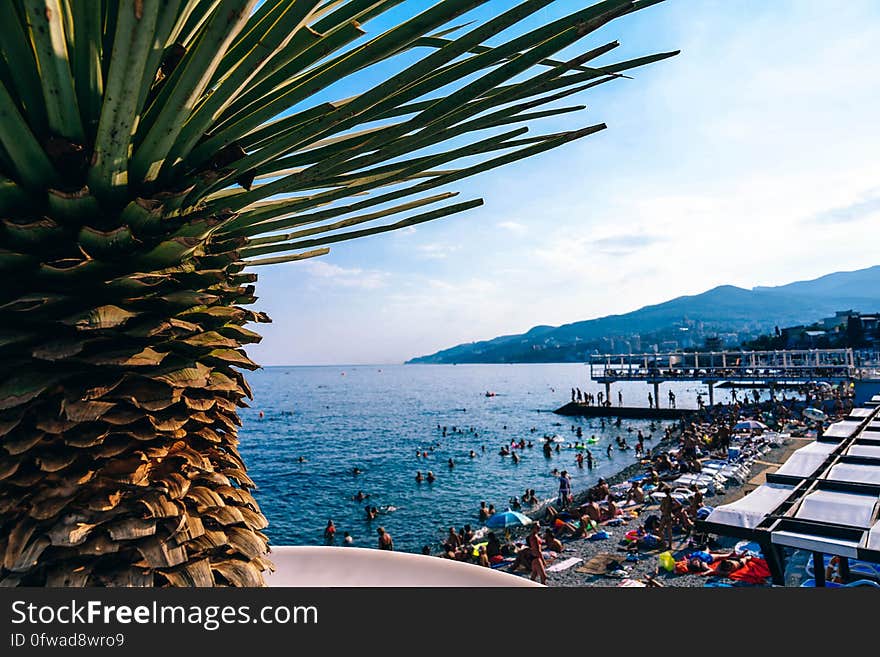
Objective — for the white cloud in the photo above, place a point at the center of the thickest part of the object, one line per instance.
(437, 251)
(514, 227)
(331, 274)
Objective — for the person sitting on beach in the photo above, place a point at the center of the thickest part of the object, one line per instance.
(602, 489)
(482, 557)
(467, 534)
(493, 546)
(585, 525)
(552, 542)
(664, 462)
(635, 493)
(610, 511)
(522, 559)
(592, 511)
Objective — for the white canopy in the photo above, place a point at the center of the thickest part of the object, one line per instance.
(853, 509)
(812, 542)
(806, 460)
(861, 412)
(856, 472)
(843, 429)
(872, 451)
(748, 511)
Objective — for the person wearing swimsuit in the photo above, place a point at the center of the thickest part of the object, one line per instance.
(538, 566)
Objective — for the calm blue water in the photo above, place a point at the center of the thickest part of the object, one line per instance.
(376, 417)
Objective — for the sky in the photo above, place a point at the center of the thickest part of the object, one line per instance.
(749, 159)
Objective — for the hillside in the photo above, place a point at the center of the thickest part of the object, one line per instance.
(726, 310)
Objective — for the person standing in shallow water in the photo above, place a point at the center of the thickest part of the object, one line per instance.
(385, 541)
(564, 498)
(329, 532)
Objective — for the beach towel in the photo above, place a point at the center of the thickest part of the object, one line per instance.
(598, 565)
(755, 571)
(564, 565)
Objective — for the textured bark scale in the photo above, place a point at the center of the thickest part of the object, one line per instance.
(118, 424)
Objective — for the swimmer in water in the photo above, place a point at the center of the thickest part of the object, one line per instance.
(472, 454)
(608, 451)
(261, 415)
(451, 463)
(419, 476)
(356, 471)
(430, 477)
(360, 497)
(515, 457)
(301, 459)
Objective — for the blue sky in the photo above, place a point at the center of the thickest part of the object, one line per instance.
(749, 159)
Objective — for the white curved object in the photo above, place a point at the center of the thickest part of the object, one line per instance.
(319, 566)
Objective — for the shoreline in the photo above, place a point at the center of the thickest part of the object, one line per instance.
(645, 565)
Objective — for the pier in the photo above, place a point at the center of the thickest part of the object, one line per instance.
(574, 409)
(732, 368)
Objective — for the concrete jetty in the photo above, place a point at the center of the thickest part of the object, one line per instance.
(627, 412)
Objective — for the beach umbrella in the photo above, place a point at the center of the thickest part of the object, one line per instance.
(749, 425)
(815, 414)
(507, 519)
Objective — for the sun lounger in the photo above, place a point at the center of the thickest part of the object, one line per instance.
(808, 583)
(856, 567)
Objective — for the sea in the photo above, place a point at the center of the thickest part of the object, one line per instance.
(308, 428)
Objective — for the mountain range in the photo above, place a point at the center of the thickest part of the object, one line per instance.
(731, 312)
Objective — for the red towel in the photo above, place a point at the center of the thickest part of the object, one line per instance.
(755, 571)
